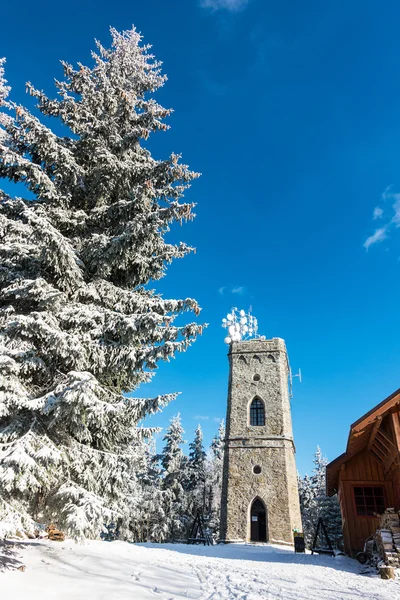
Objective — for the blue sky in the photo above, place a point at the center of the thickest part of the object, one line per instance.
(290, 111)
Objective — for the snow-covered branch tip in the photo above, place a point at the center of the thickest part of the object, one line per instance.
(4, 88)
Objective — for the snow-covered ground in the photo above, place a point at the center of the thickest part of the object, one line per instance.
(118, 571)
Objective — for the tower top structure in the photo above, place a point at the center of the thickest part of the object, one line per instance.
(240, 325)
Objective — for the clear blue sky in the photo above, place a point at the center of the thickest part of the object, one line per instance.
(291, 112)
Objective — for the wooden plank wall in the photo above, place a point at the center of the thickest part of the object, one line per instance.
(361, 470)
(396, 486)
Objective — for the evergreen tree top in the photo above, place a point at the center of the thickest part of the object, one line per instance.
(197, 454)
(319, 473)
(218, 442)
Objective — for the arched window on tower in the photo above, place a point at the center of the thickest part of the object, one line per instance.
(257, 413)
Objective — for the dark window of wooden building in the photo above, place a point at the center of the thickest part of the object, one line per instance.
(257, 412)
(369, 501)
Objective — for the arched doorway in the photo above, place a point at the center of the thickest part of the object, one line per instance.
(258, 522)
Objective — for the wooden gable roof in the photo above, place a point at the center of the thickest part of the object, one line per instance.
(378, 431)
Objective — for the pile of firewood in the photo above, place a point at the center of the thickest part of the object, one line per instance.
(387, 538)
(389, 520)
(55, 534)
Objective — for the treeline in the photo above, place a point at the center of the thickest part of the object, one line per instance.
(170, 488)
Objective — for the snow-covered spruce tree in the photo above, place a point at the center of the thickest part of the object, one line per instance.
(319, 474)
(196, 472)
(307, 508)
(214, 466)
(314, 503)
(142, 515)
(174, 481)
(79, 327)
(332, 517)
(325, 507)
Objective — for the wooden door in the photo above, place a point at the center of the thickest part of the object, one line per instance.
(258, 522)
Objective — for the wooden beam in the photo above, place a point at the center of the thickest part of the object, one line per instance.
(388, 463)
(384, 439)
(379, 444)
(377, 449)
(396, 429)
(381, 409)
(374, 431)
(376, 456)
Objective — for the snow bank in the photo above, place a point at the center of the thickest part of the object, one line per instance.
(118, 571)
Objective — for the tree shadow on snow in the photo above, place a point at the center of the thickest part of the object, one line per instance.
(8, 555)
(266, 553)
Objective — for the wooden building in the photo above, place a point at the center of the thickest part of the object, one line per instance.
(367, 476)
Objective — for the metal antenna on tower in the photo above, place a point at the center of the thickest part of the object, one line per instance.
(291, 380)
(240, 325)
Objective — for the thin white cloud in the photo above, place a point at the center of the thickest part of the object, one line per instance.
(231, 5)
(396, 208)
(392, 217)
(378, 236)
(201, 417)
(217, 419)
(386, 193)
(238, 290)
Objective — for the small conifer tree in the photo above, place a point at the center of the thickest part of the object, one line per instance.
(214, 471)
(197, 472)
(314, 503)
(174, 481)
(306, 495)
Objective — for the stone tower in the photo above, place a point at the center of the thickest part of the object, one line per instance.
(260, 500)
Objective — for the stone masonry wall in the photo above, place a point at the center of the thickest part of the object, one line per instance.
(270, 446)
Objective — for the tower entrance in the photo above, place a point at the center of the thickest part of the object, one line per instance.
(258, 522)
